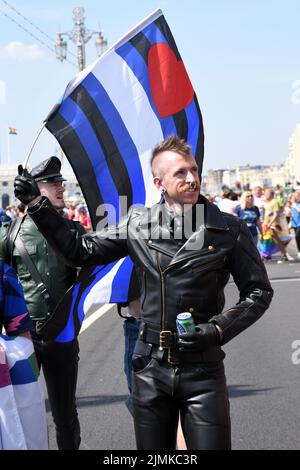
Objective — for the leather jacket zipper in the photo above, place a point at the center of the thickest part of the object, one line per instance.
(162, 296)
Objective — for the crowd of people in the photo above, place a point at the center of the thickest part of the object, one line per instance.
(272, 216)
(76, 211)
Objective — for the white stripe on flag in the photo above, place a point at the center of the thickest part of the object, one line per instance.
(131, 101)
(100, 293)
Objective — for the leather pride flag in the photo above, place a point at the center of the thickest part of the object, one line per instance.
(110, 118)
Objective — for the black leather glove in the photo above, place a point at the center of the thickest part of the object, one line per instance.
(26, 188)
(205, 337)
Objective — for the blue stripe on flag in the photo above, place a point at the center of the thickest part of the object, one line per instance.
(68, 333)
(99, 272)
(75, 117)
(193, 125)
(120, 134)
(22, 373)
(7, 338)
(154, 34)
(139, 67)
(121, 281)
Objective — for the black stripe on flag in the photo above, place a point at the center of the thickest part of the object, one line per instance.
(79, 161)
(67, 306)
(164, 28)
(111, 152)
(142, 45)
(199, 155)
(181, 124)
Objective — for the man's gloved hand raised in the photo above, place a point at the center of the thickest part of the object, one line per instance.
(205, 337)
(26, 188)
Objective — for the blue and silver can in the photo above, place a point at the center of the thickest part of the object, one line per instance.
(185, 323)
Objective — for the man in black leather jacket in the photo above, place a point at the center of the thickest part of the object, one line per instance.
(179, 270)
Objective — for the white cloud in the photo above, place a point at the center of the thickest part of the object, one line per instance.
(16, 50)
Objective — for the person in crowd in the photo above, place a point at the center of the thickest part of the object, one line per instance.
(274, 238)
(72, 211)
(248, 212)
(21, 210)
(279, 196)
(14, 317)
(229, 202)
(4, 217)
(11, 212)
(258, 196)
(287, 210)
(23, 421)
(295, 218)
(58, 360)
(84, 218)
(184, 250)
(211, 198)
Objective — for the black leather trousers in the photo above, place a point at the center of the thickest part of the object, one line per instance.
(198, 391)
(60, 367)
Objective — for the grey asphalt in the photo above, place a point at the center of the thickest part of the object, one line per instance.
(263, 382)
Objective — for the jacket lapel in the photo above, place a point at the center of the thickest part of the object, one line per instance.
(213, 220)
(155, 230)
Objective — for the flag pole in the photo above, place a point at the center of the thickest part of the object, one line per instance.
(33, 144)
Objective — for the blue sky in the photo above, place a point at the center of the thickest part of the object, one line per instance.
(243, 58)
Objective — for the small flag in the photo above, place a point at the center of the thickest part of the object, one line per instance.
(13, 131)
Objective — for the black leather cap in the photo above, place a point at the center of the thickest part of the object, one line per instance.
(48, 170)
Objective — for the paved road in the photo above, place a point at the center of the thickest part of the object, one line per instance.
(263, 382)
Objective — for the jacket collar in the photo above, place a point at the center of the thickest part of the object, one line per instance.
(213, 217)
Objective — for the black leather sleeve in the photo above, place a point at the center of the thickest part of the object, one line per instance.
(79, 250)
(251, 278)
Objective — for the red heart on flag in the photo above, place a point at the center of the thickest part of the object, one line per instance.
(170, 85)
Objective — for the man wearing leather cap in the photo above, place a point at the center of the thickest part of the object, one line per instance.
(59, 360)
(178, 271)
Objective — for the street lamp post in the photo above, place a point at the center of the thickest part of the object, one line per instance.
(80, 35)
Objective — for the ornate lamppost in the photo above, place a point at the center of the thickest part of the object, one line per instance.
(80, 35)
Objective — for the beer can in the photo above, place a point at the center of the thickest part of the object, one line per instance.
(185, 323)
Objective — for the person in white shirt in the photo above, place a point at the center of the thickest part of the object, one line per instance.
(228, 202)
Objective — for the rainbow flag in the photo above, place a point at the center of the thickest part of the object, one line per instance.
(13, 131)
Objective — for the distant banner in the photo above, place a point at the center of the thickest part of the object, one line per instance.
(13, 131)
